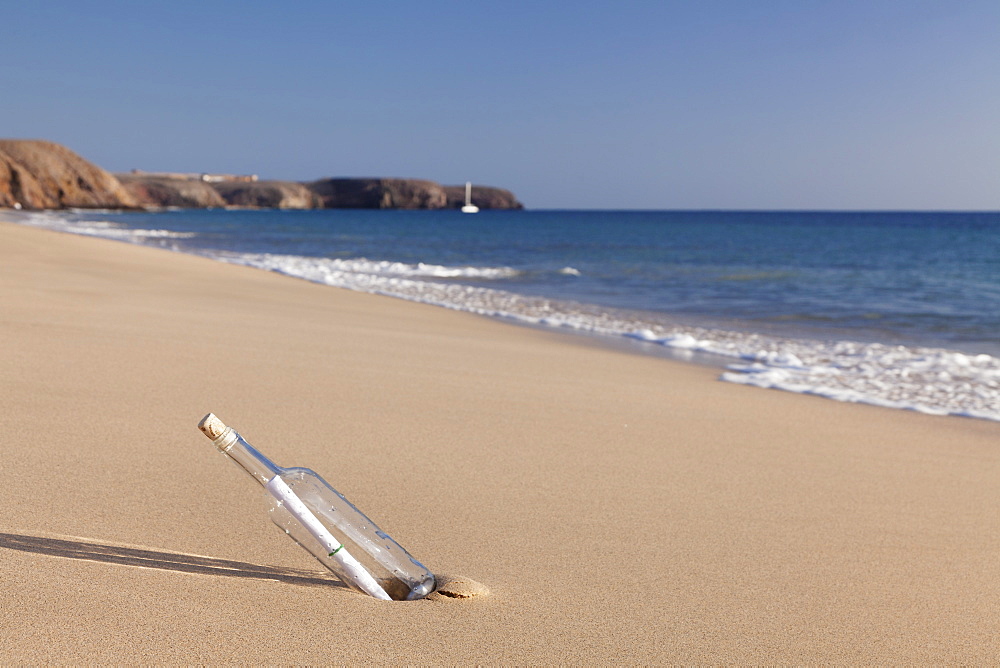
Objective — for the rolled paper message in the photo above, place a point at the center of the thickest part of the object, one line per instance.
(293, 504)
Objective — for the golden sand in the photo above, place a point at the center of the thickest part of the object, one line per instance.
(618, 508)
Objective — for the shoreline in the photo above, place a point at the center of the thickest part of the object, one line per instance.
(776, 329)
(620, 507)
(855, 367)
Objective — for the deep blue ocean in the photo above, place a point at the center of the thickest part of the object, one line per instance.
(851, 305)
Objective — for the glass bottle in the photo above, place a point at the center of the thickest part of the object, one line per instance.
(326, 524)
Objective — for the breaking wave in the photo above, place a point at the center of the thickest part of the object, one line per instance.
(928, 380)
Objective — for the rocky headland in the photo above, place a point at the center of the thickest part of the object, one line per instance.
(154, 192)
(267, 195)
(37, 174)
(379, 193)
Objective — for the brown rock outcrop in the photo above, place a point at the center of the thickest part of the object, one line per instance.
(379, 194)
(268, 194)
(485, 197)
(37, 174)
(163, 191)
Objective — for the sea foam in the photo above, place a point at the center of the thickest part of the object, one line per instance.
(99, 228)
(928, 380)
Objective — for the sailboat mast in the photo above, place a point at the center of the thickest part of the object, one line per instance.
(469, 206)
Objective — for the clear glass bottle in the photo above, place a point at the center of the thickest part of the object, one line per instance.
(326, 524)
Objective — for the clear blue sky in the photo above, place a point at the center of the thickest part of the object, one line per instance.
(659, 104)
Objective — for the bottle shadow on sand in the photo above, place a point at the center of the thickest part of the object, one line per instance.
(171, 561)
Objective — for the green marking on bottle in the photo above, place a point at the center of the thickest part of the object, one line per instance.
(336, 551)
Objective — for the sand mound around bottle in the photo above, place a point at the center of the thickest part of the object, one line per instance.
(457, 586)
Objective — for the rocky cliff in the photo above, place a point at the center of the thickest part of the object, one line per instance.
(340, 193)
(379, 194)
(36, 174)
(268, 194)
(485, 197)
(154, 192)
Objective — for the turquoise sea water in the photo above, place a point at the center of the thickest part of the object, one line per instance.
(899, 309)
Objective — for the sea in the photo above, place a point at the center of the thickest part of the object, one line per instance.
(896, 309)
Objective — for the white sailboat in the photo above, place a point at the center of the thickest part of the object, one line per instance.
(469, 206)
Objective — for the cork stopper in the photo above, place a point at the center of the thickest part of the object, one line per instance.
(212, 426)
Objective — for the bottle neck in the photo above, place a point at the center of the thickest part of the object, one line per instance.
(260, 468)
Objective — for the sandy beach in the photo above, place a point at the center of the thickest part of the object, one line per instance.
(621, 509)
